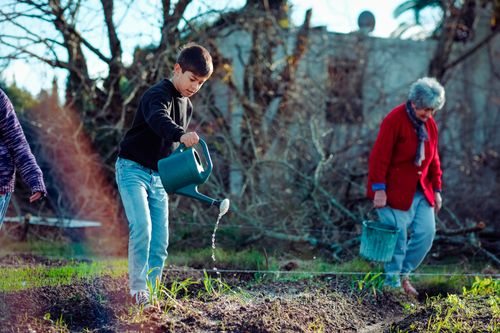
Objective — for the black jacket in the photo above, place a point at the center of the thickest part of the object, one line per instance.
(161, 119)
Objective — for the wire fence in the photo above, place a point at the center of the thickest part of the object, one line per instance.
(322, 273)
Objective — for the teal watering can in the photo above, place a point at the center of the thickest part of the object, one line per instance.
(181, 172)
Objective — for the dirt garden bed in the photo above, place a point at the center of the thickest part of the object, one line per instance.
(101, 304)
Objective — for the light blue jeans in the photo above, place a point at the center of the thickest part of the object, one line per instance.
(420, 223)
(4, 204)
(146, 206)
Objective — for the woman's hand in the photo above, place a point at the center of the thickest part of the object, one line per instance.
(438, 201)
(189, 139)
(380, 199)
(35, 196)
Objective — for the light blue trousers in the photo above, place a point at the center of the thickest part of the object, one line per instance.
(4, 204)
(146, 206)
(419, 224)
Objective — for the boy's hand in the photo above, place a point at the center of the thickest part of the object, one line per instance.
(189, 139)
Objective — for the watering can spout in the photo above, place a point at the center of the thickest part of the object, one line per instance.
(192, 191)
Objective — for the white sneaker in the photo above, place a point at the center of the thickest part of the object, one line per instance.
(141, 298)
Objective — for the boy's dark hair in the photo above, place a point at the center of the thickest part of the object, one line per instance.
(196, 59)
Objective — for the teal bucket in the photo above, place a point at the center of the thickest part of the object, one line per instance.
(378, 241)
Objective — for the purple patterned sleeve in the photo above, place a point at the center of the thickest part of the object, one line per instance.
(13, 137)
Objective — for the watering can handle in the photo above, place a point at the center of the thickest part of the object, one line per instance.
(203, 144)
(179, 149)
(208, 171)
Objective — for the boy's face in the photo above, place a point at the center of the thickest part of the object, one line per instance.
(186, 83)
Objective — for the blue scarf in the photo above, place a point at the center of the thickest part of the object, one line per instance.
(421, 133)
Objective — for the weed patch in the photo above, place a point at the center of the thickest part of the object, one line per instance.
(475, 310)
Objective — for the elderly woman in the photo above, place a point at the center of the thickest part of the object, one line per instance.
(404, 178)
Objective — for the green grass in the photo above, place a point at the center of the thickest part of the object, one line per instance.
(15, 279)
(43, 248)
(484, 287)
(242, 260)
(254, 260)
(358, 265)
(446, 278)
(476, 309)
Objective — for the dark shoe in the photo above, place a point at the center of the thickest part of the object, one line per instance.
(409, 289)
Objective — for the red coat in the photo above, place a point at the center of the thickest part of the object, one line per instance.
(392, 160)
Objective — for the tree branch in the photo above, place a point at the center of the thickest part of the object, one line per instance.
(462, 231)
(471, 51)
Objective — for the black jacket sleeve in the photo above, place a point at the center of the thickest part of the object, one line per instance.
(158, 115)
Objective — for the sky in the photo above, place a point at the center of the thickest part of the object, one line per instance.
(336, 15)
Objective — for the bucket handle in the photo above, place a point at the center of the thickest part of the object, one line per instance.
(395, 219)
(394, 215)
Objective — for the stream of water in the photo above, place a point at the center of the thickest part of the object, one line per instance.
(224, 207)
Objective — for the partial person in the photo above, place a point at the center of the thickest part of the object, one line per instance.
(159, 125)
(16, 157)
(404, 178)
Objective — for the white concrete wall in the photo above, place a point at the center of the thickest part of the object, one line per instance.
(469, 121)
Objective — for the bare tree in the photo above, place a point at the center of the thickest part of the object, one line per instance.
(52, 32)
(290, 149)
(458, 25)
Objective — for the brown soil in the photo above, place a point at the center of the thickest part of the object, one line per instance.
(320, 304)
(102, 305)
(326, 304)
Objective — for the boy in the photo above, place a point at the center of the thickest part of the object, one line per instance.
(160, 122)
(15, 153)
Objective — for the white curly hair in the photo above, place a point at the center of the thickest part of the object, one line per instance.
(427, 92)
